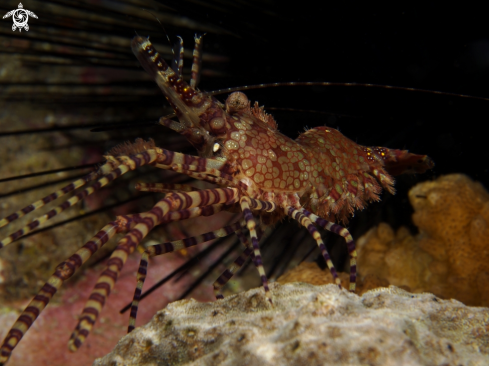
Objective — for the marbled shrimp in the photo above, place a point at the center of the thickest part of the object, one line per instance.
(318, 179)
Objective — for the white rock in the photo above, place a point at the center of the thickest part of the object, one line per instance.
(310, 325)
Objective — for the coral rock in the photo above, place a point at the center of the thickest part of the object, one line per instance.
(452, 214)
(310, 325)
(394, 257)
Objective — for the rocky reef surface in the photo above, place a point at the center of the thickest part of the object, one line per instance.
(310, 325)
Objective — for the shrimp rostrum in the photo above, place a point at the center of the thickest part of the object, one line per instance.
(318, 179)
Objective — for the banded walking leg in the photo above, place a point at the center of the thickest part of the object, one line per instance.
(208, 174)
(217, 177)
(164, 188)
(127, 163)
(245, 203)
(172, 202)
(170, 247)
(167, 159)
(237, 264)
(220, 179)
(297, 215)
(64, 271)
(350, 243)
(109, 276)
(103, 170)
(177, 62)
(197, 61)
(240, 261)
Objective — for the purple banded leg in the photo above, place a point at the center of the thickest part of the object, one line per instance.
(108, 278)
(65, 205)
(259, 205)
(231, 271)
(297, 215)
(172, 202)
(164, 248)
(171, 124)
(201, 173)
(177, 62)
(141, 277)
(163, 187)
(217, 177)
(103, 170)
(350, 243)
(127, 163)
(167, 159)
(64, 271)
(245, 203)
(238, 263)
(197, 60)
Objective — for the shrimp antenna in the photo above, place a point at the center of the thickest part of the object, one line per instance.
(328, 83)
(162, 27)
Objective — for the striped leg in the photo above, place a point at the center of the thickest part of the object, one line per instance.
(259, 205)
(216, 177)
(193, 212)
(245, 203)
(163, 187)
(238, 263)
(197, 60)
(164, 248)
(190, 165)
(350, 243)
(64, 271)
(169, 159)
(128, 163)
(109, 276)
(177, 62)
(103, 170)
(164, 158)
(230, 272)
(297, 215)
(208, 174)
(172, 202)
